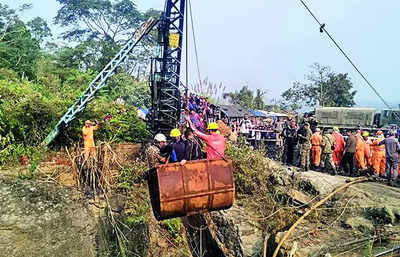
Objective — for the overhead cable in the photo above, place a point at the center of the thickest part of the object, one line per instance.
(322, 27)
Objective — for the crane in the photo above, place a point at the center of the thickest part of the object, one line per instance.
(165, 76)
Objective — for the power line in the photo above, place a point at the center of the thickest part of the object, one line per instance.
(322, 28)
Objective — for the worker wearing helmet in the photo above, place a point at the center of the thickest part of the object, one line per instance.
(215, 143)
(88, 139)
(367, 149)
(378, 155)
(153, 152)
(316, 150)
(360, 152)
(176, 147)
(339, 146)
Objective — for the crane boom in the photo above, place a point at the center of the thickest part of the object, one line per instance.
(165, 82)
(100, 80)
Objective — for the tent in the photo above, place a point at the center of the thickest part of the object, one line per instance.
(142, 113)
(258, 113)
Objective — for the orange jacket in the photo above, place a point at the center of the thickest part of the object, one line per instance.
(316, 140)
(376, 148)
(339, 142)
(87, 133)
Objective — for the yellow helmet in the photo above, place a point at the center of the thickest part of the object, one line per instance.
(175, 133)
(336, 128)
(213, 126)
(365, 134)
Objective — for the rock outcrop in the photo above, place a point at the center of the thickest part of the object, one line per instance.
(40, 219)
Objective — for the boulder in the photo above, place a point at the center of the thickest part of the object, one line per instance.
(39, 219)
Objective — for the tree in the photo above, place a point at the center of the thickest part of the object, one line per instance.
(18, 50)
(323, 87)
(39, 29)
(19, 41)
(101, 27)
(245, 97)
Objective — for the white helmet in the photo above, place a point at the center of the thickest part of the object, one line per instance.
(160, 138)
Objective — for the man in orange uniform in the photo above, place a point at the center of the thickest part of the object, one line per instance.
(360, 152)
(316, 142)
(378, 155)
(339, 146)
(88, 140)
(367, 149)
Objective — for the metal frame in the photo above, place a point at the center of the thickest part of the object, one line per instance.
(100, 80)
(165, 71)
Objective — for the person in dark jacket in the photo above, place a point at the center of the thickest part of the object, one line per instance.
(348, 157)
(192, 147)
(392, 149)
(176, 147)
(290, 138)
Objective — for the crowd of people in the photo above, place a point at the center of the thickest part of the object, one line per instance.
(357, 153)
(353, 152)
(197, 127)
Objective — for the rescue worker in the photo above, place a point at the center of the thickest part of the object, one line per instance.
(360, 152)
(153, 152)
(176, 147)
(215, 142)
(192, 147)
(305, 135)
(88, 139)
(378, 155)
(367, 149)
(316, 142)
(289, 135)
(328, 146)
(392, 149)
(349, 152)
(339, 147)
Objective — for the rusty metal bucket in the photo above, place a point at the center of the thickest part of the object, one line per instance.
(195, 188)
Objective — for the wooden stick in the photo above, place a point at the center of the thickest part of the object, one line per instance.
(289, 232)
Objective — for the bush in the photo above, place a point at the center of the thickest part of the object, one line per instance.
(30, 110)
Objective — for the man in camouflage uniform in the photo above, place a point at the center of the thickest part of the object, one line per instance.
(328, 146)
(152, 152)
(304, 136)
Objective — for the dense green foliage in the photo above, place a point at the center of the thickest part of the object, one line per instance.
(247, 98)
(29, 110)
(38, 85)
(324, 87)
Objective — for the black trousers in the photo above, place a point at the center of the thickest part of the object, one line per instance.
(348, 163)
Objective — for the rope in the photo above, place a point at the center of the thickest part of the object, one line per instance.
(322, 27)
(187, 54)
(194, 42)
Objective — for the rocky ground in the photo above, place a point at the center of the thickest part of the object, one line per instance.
(44, 217)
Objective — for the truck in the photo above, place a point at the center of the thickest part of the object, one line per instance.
(355, 117)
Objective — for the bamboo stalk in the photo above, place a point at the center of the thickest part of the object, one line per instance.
(289, 232)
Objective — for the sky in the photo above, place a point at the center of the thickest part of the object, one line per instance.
(271, 44)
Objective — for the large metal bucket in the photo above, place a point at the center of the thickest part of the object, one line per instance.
(195, 188)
